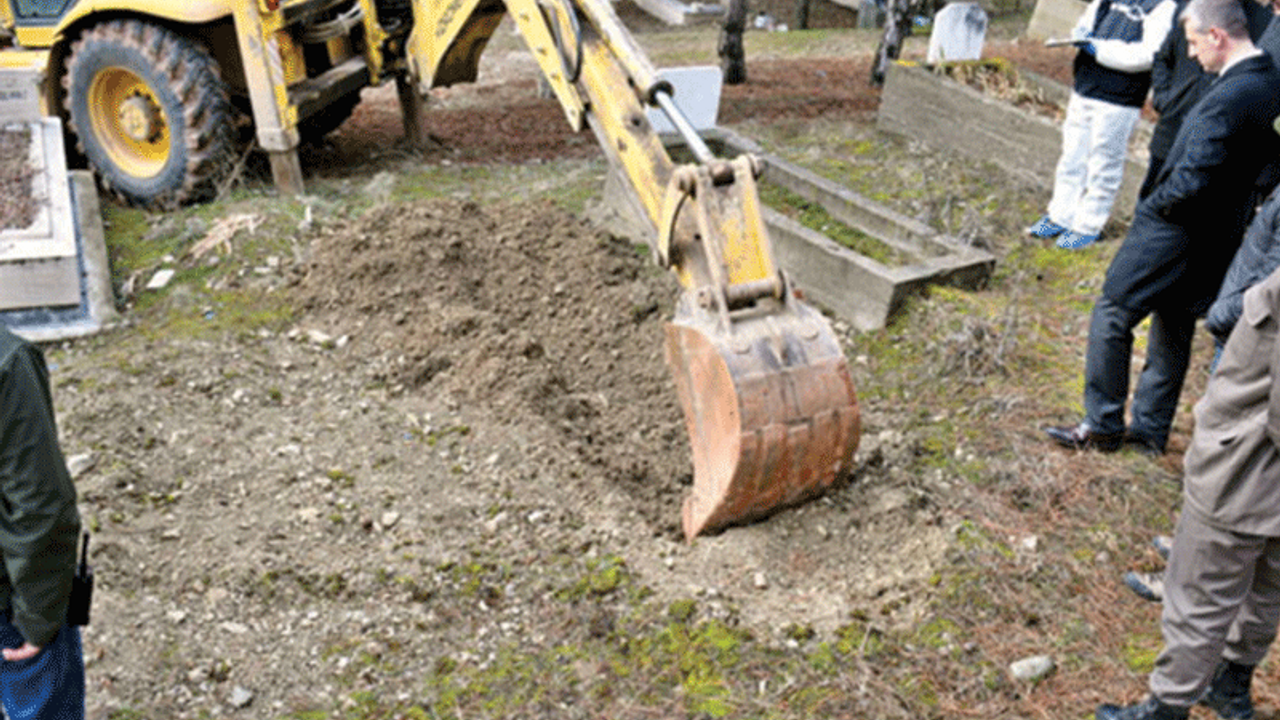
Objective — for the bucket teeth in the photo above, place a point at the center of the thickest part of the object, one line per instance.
(771, 413)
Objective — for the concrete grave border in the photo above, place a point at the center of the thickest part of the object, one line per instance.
(55, 277)
(862, 290)
(925, 105)
(859, 289)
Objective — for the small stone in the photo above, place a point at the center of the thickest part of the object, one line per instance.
(160, 279)
(389, 519)
(240, 697)
(78, 465)
(493, 523)
(1032, 668)
(760, 581)
(318, 337)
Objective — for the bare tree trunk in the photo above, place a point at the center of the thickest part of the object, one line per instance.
(897, 27)
(802, 14)
(733, 59)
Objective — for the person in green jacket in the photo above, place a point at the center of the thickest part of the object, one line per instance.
(42, 671)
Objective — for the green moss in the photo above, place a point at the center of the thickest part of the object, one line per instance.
(858, 639)
(241, 312)
(822, 658)
(436, 435)
(1140, 651)
(938, 633)
(972, 538)
(341, 477)
(920, 691)
(602, 577)
(682, 610)
(815, 217)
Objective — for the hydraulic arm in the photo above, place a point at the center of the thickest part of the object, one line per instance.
(768, 401)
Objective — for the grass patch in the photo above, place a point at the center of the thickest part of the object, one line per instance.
(815, 217)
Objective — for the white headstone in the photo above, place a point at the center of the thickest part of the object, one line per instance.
(697, 95)
(19, 95)
(959, 30)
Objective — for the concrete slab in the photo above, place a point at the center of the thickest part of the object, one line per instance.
(675, 12)
(864, 291)
(55, 280)
(1054, 18)
(928, 106)
(19, 95)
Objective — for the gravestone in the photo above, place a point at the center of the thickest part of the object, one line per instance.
(1054, 18)
(870, 15)
(959, 31)
(696, 92)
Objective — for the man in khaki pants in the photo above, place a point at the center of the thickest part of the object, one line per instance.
(1222, 587)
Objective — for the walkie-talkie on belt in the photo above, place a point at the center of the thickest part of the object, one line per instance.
(81, 588)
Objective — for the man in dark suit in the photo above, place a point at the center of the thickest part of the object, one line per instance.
(1222, 587)
(1178, 81)
(1182, 238)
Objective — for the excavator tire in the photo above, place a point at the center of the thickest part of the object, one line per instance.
(150, 112)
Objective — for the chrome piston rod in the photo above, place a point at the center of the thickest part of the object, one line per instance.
(690, 136)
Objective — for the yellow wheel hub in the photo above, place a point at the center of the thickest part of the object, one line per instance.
(129, 122)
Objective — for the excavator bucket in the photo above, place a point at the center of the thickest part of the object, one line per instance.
(770, 409)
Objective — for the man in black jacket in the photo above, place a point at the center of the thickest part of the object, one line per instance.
(42, 670)
(1183, 236)
(1178, 81)
(1258, 256)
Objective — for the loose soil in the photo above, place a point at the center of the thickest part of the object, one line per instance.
(18, 205)
(463, 444)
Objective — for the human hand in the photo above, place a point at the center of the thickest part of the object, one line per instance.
(26, 652)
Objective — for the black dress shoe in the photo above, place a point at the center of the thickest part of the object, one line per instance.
(1149, 709)
(1144, 445)
(1080, 437)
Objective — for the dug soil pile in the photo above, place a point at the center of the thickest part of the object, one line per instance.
(462, 457)
(522, 312)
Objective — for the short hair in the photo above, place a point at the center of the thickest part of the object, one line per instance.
(1228, 15)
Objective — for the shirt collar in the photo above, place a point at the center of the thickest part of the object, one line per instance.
(1239, 58)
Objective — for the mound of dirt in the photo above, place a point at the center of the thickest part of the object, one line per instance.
(471, 407)
(521, 311)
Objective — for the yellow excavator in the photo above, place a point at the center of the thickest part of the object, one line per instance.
(152, 90)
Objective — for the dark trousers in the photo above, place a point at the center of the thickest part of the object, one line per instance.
(1106, 369)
